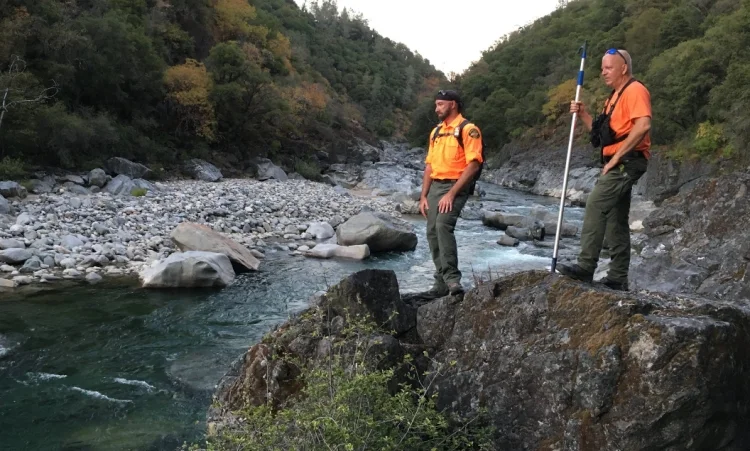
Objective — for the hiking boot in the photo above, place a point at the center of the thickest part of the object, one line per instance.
(455, 288)
(619, 286)
(575, 272)
(437, 291)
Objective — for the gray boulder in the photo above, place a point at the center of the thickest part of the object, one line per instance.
(191, 269)
(12, 189)
(322, 250)
(380, 232)
(43, 186)
(15, 256)
(97, 177)
(321, 230)
(121, 166)
(202, 170)
(501, 221)
(75, 188)
(4, 206)
(267, 170)
(189, 236)
(120, 185)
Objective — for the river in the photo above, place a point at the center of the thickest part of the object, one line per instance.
(115, 367)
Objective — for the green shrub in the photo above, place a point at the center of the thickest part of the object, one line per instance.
(709, 139)
(12, 168)
(138, 192)
(310, 171)
(348, 403)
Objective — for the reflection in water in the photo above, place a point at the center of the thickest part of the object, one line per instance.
(117, 367)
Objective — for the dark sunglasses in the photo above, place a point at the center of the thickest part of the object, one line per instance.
(615, 51)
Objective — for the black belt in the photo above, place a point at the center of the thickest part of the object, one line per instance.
(632, 155)
(445, 180)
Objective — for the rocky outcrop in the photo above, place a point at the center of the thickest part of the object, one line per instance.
(12, 189)
(380, 232)
(202, 170)
(121, 166)
(557, 364)
(198, 237)
(698, 241)
(190, 270)
(267, 170)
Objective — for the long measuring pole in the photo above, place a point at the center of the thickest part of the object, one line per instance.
(567, 159)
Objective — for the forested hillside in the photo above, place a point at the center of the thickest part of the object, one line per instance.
(692, 54)
(160, 80)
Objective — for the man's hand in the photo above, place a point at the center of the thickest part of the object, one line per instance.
(423, 206)
(609, 166)
(580, 108)
(577, 107)
(446, 203)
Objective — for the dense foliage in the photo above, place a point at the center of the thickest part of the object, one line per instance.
(160, 80)
(691, 54)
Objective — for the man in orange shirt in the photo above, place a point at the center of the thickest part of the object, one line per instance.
(622, 131)
(454, 158)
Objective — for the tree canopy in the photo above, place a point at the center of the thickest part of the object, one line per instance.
(161, 80)
(691, 54)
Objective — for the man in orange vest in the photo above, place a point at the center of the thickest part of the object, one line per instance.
(453, 161)
(622, 131)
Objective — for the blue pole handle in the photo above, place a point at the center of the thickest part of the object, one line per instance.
(582, 50)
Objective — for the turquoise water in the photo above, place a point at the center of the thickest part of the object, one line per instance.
(115, 367)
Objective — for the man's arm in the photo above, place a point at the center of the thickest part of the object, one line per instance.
(583, 114)
(465, 178)
(641, 126)
(426, 182)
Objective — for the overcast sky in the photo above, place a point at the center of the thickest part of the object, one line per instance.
(451, 34)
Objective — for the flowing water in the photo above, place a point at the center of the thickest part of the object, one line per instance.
(115, 367)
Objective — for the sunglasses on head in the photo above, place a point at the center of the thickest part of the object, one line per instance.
(617, 52)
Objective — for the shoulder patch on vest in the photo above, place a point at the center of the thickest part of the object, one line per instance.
(474, 133)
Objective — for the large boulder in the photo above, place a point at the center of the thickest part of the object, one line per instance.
(190, 236)
(97, 177)
(390, 178)
(42, 186)
(379, 232)
(121, 166)
(15, 256)
(190, 270)
(501, 221)
(120, 185)
(698, 241)
(4, 206)
(555, 363)
(563, 365)
(267, 170)
(12, 189)
(323, 250)
(202, 170)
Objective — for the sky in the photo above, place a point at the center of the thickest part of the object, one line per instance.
(451, 34)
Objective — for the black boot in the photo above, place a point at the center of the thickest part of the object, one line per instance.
(611, 284)
(575, 272)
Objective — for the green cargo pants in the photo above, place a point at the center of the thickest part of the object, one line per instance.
(440, 227)
(607, 215)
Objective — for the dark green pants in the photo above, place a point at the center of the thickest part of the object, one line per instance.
(440, 227)
(607, 215)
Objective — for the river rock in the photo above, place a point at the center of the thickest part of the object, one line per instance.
(12, 189)
(506, 240)
(390, 178)
(15, 256)
(379, 232)
(190, 269)
(322, 250)
(202, 170)
(70, 242)
(321, 230)
(345, 175)
(267, 170)
(198, 237)
(43, 186)
(4, 206)
(76, 188)
(97, 177)
(121, 166)
(120, 185)
(9, 243)
(501, 221)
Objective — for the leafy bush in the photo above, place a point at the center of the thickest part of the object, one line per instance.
(709, 139)
(12, 168)
(347, 404)
(308, 170)
(138, 192)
